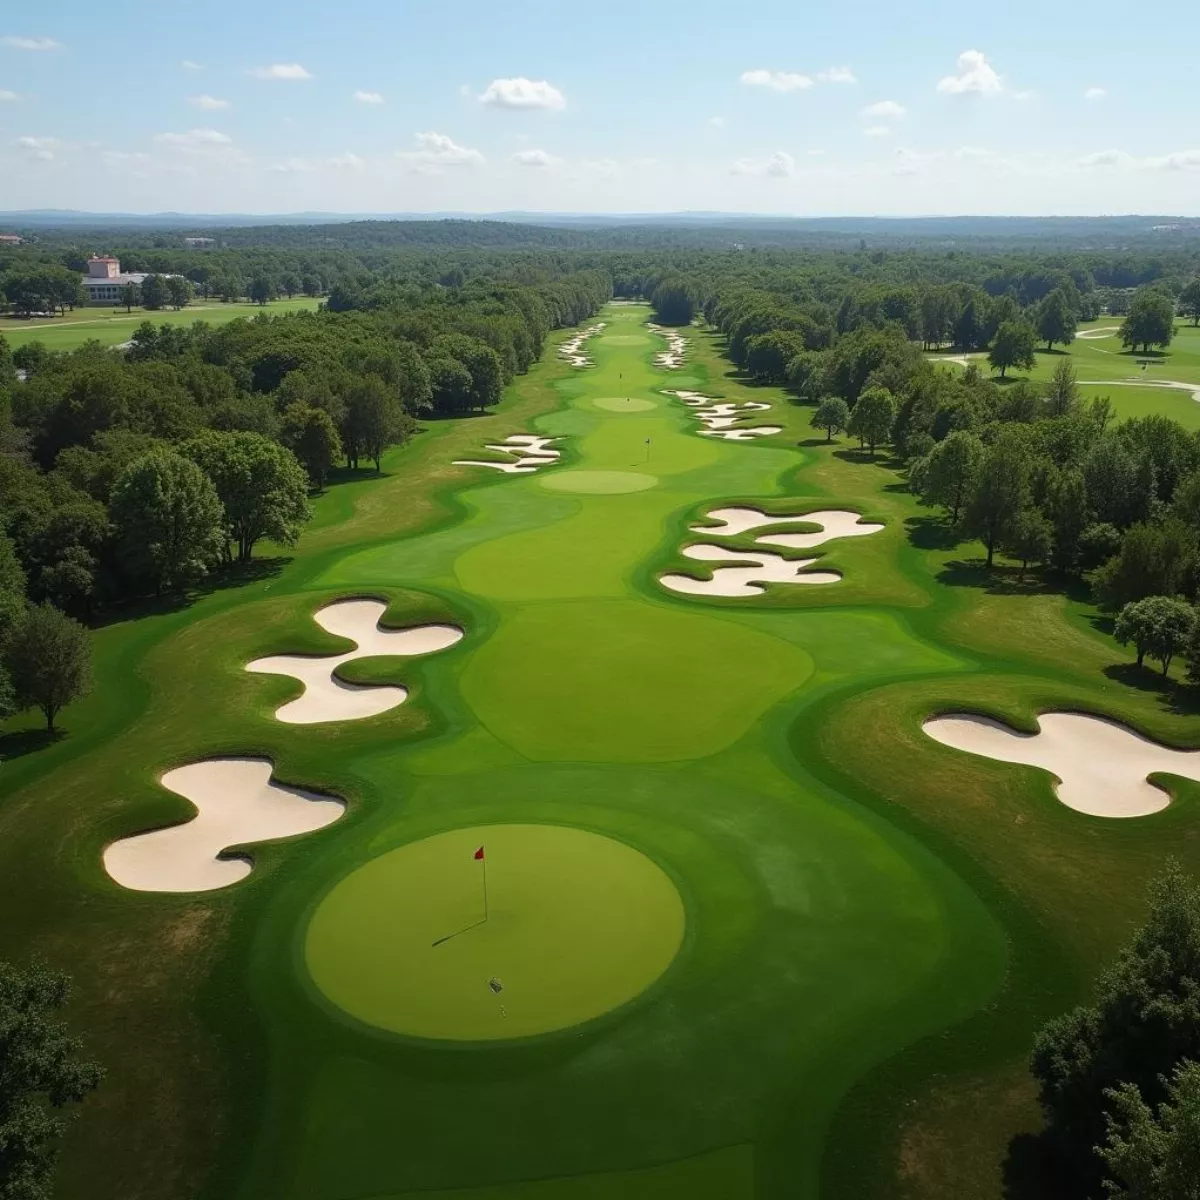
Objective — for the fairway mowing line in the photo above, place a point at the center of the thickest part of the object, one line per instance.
(236, 803)
(327, 698)
(572, 350)
(526, 452)
(1100, 766)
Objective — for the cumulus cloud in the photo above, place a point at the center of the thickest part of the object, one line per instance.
(836, 75)
(436, 150)
(1180, 160)
(29, 43)
(42, 149)
(535, 158)
(780, 165)
(522, 93)
(8, 97)
(1095, 93)
(194, 139)
(368, 97)
(876, 131)
(776, 81)
(208, 103)
(285, 71)
(975, 74)
(887, 109)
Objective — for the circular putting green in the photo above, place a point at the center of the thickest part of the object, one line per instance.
(624, 404)
(599, 482)
(576, 924)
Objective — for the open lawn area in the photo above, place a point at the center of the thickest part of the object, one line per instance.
(637, 893)
(113, 326)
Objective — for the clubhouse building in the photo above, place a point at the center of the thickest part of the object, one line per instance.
(105, 282)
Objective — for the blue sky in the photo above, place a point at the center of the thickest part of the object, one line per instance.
(367, 105)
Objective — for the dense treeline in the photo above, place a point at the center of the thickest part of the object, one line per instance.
(135, 473)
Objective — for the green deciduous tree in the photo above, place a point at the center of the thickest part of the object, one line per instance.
(49, 660)
(1154, 1154)
(154, 292)
(1055, 319)
(999, 491)
(832, 415)
(1069, 512)
(1062, 392)
(1189, 301)
(872, 417)
(262, 489)
(167, 519)
(310, 434)
(950, 471)
(1160, 626)
(1029, 539)
(41, 1073)
(1140, 1029)
(179, 291)
(1013, 347)
(1151, 320)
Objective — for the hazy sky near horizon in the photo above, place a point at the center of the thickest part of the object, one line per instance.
(773, 107)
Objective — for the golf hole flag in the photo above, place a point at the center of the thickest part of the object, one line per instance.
(479, 854)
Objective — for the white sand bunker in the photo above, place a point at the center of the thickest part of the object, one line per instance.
(760, 567)
(834, 523)
(327, 698)
(1101, 331)
(237, 804)
(721, 418)
(672, 356)
(1100, 766)
(572, 349)
(525, 454)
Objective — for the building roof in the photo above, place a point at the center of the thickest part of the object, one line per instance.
(113, 280)
(102, 258)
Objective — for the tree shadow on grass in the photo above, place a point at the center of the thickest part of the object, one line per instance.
(863, 457)
(26, 741)
(1032, 1172)
(1172, 695)
(236, 575)
(931, 533)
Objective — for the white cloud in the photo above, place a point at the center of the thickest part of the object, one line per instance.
(302, 166)
(522, 93)
(1106, 158)
(877, 131)
(8, 97)
(288, 71)
(777, 81)
(717, 122)
(29, 43)
(189, 65)
(368, 97)
(836, 75)
(40, 148)
(208, 103)
(194, 139)
(889, 110)
(347, 162)
(535, 158)
(780, 165)
(435, 151)
(1180, 160)
(1095, 93)
(975, 74)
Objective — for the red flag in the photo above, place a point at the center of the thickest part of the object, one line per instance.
(479, 853)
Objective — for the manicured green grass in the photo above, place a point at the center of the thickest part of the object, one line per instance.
(113, 326)
(872, 924)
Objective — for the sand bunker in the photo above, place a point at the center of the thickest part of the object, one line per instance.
(572, 350)
(526, 453)
(760, 568)
(1101, 331)
(1100, 766)
(721, 418)
(672, 357)
(834, 522)
(237, 804)
(327, 698)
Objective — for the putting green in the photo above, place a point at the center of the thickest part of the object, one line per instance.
(624, 404)
(577, 924)
(599, 482)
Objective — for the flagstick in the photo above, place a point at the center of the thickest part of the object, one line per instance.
(485, 898)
